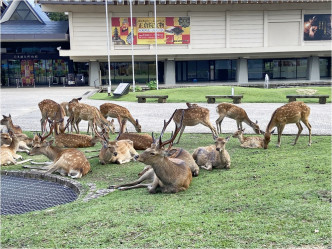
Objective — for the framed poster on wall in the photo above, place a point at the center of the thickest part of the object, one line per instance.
(317, 27)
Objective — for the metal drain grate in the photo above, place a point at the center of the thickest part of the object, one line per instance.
(20, 195)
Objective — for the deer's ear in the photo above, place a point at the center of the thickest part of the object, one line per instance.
(79, 98)
(273, 131)
(243, 129)
(49, 143)
(256, 121)
(9, 116)
(112, 121)
(227, 138)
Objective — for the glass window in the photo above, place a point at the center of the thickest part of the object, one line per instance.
(325, 67)
(23, 12)
(255, 70)
(301, 68)
(288, 69)
(192, 71)
(203, 70)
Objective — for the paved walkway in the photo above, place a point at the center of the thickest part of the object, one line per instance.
(22, 104)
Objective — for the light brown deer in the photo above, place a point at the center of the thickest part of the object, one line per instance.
(23, 139)
(79, 111)
(121, 113)
(171, 174)
(8, 122)
(237, 113)
(194, 115)
(8, 153)
(68, 162)
(51, 110)
(248, 142)
(293, 112)
(213, 156)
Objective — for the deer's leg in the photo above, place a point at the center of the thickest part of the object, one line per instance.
(39, 168)
(213, 130)
(280, 130)
(306, 123)
(207, 166)
(182, 129)
(136, 184)
(153, 187)
(299, 126)
(218, 123)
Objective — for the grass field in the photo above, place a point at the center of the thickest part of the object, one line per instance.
(280, 197)
(197, 94)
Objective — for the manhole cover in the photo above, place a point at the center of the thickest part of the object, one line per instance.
(20, 195)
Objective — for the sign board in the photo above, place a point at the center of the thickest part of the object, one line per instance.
(122, 89)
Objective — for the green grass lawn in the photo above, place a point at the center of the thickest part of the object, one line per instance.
(197, 94)
(280, 197)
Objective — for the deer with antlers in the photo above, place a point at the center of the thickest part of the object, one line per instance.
(121, 113)
(293, 112)
(79, 111)
(8, 122)
(68, 162)
(213, 156)
(237, 113)
(248, 142)
(194, 115)
(50, 110)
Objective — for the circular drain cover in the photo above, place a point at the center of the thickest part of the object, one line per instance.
(20, 195)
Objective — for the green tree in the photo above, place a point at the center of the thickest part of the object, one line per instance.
(57, 16)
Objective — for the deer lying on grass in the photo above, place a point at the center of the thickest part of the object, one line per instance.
(237, 113)
(51, 110)
(74, 140)
(194, 115)
(68, 162)
(213, 156)
(170, 175)
(121, 113)
(248, 142)
(293, 112)
(79, 111)
(8, 122)
(8, 153)
(23, 139)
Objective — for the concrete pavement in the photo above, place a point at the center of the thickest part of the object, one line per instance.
(22, 104)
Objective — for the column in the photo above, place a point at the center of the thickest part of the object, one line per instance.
(313, 68)
(169, 72)
(94, 69)
(242, 71)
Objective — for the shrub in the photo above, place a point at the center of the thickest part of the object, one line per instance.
(152, 84)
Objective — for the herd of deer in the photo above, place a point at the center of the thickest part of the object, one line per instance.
(168, 169)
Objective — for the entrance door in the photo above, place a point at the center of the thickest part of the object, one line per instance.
(27, 74)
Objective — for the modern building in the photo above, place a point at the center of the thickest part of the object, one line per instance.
(29, 48)
(215, 41)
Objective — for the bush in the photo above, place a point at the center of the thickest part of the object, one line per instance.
(152, 84)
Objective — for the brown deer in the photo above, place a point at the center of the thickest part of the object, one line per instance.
(8, 122)
(171, 174)
(248, 142)
(121, 113)
(8, 153)
(293, 112)
(79, 111)
(237, 113)
(213, 156)
(68, 162)
(194, 115)
(73, 140)
(23, 139)
(51, 110)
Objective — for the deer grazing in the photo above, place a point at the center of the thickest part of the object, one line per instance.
(213, 156)
(194, 115)
(8, 153)
(293, 112)
(171, 175)
(234, 112)
(8, 122)
(50, 110)
(248, 142)
(121, 113)
(79, 111)
(68, 162)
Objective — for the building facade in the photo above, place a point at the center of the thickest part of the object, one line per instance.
(215, 41)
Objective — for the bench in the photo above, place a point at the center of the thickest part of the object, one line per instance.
(161, 98)
(322, 98)
(212, 98)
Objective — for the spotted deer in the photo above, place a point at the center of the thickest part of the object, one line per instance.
(8, 122)
(79, 111)
(248, 142)
(213, 156)
(68, 162)
(171, 174)
(194, 115)
(237, 113)
(24, 141)
(121, 113)
(51, 110)
(8, 153)
(293, 112)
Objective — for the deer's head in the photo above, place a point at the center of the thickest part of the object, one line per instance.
(256, 128)
(220, 143)
(39, 145)
(238, 133)
(138, 127)
(6, 120)
(267, 138)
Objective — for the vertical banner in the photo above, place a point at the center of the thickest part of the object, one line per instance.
(170, 30)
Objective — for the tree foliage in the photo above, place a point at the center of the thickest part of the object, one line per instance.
(57, 16)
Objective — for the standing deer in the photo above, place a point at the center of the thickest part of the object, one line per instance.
(79, 111)
(237, 113)
(121, 113)
(50, 110)
(194, 115)
(8, 122)
(213, 156)
(248, 142)
(68, 162)
(293, 112)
